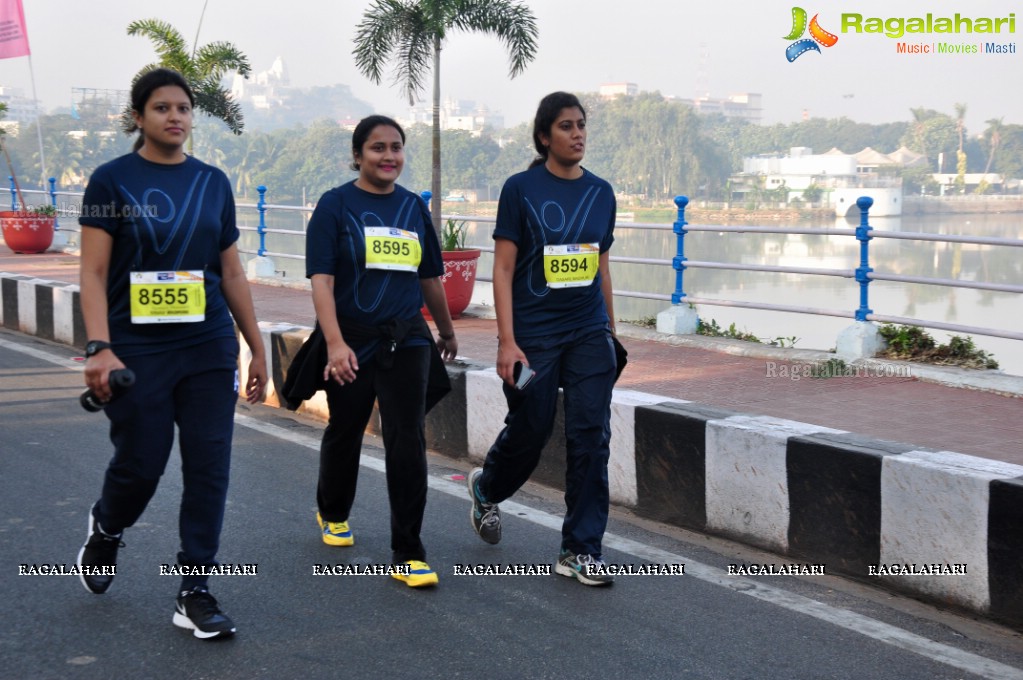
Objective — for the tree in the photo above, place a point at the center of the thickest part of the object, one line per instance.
(960, 154)
(994, 135)
(920, 116)
(411, 33)
(203, 68)
(934, 133)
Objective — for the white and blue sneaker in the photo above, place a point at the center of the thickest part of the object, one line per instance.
(485, 517)
(588, 569)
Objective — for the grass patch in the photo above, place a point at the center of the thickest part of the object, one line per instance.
(712, 329)
(912, 343)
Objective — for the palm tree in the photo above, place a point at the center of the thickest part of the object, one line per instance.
(203, 68)
(920, 116)
(66, 154)
(994, 134)
(960, 154)
(412, 34)
(960, 122)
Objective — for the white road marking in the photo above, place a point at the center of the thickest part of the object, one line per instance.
(43, 354)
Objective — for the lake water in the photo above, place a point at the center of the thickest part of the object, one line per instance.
(890, 256)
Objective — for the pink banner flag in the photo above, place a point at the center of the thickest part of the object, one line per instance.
(13, 33)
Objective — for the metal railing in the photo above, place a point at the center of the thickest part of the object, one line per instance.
(863, 274)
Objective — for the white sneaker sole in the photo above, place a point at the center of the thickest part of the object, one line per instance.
(472, 509)
(78, 560)
(568, 571)
(182, 621)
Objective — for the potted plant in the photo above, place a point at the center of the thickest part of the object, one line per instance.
(459, 267)
(29, 230)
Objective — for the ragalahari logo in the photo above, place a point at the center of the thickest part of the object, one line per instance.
(817, 35)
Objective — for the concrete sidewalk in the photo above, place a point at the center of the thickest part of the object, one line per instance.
(981, 417)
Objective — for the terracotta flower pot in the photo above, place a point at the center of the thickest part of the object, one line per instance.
(459, 279)
(26, 232)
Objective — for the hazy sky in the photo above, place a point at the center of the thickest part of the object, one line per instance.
(681, 49)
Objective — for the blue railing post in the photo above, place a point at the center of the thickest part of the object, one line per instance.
(863, 271)
(261, 230)
(679, 261)
(14, 195)
(53, 202)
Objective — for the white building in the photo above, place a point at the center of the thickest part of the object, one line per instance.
(456, 114)
(746, 106)
(20, 108)
(842, 178)
(609, 90)
(266, 89)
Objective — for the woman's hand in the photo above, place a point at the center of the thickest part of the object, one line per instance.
(342, 364)
(255, 387)
(508, 353)
(97, 373)
(448, 346)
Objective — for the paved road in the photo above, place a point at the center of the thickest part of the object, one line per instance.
(293, 624)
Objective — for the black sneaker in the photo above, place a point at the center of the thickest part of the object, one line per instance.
(486, 517)
(198, 612)
(588, 569)
(99, 557)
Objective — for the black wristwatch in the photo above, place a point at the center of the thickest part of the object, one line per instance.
(94, 347)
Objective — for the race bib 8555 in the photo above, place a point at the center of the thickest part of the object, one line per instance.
(167, 297)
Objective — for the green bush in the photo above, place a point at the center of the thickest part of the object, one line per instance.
(912, 343)
(712, 329)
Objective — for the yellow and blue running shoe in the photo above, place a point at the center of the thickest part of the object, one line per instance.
(415, 574)
(335, 533)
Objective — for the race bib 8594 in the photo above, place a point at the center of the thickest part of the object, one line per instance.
(570, 265)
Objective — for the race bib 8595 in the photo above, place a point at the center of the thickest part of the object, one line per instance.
(392, 248)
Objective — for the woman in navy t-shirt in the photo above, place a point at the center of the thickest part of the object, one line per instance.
(373, 258)
(160, 282)
(552, 294)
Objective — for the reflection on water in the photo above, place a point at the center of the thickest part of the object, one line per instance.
(891, 256)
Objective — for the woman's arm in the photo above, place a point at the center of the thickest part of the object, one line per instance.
(437, 303)
(239, 300)
(97, 246)
(341, 360)
(508, 352)
(606, 287)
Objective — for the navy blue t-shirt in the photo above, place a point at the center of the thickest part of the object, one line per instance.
(336, 245)
(538, 209)
(163, 218)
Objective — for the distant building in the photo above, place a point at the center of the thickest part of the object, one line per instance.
(745, 106)
(971, 182)
(608, 90)
(456, 114)
(840, 177)
(265, 90)
(95, 101)
(20, 109)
